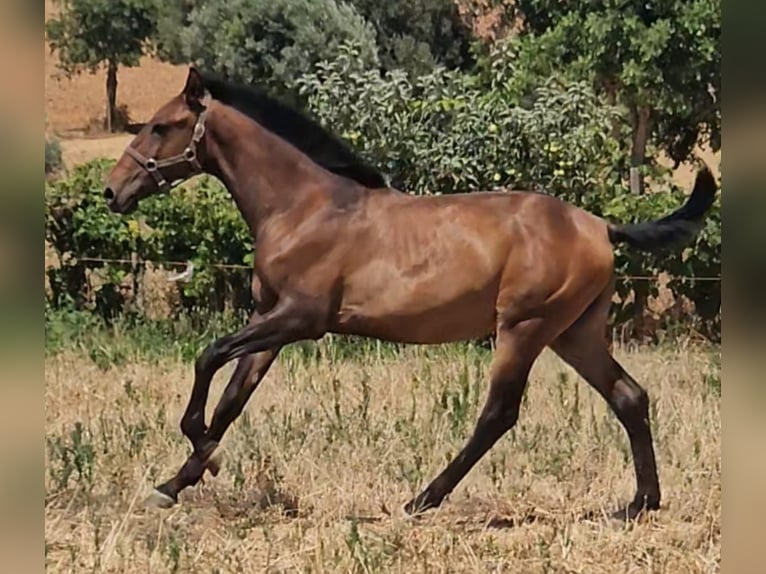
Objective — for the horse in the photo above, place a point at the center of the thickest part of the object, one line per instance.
(338, 251)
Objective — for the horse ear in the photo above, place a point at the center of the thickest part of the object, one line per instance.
(194, 90)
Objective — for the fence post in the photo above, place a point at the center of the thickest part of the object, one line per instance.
(137, 271)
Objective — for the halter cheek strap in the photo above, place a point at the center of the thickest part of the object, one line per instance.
(189, 155)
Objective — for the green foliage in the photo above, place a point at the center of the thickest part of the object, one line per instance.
(445, 132)
(172, 17)
(276, 42)
(88, 33)
(417, 36)
(197, 223)
(702, 258)
(131, 338)
(664, 56)
(271, 42)
(134, 338)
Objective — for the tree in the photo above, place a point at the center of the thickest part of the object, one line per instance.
(90, 33)
(660, 60)
(271, 43)
(416, 36)
(173, 16)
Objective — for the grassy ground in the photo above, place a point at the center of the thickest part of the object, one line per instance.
(331, 446)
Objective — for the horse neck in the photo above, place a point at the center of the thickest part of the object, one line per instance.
(265, 175)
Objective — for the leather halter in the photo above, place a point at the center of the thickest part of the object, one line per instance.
(189, 155)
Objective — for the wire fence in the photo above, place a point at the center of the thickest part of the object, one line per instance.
(152, 291)
(186, 264)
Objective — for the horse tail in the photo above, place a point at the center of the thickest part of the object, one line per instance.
(675, 229)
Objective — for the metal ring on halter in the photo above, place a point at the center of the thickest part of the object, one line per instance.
(151, 164)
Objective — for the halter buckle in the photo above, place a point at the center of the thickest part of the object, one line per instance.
(199, 128)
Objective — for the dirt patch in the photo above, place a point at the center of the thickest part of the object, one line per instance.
(76, 105)
(82, 150)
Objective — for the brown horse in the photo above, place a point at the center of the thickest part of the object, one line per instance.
(336, 251)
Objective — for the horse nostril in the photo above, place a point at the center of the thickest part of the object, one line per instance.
(109, 194)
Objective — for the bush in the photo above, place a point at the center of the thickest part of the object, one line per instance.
(197, 222)
(416, 36)
(446, 133)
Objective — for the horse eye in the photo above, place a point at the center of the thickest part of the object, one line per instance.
(159, 129)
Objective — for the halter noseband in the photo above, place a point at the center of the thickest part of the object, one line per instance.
(189, 155)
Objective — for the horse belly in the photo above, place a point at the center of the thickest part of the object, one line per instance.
(429, 314)
(426, 277)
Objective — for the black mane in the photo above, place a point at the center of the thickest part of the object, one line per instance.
(296, 127)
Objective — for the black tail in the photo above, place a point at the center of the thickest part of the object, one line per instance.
(675, 229)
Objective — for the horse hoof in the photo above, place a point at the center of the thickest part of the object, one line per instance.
(159, 499)
(415, 508)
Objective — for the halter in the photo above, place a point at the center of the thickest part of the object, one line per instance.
(189, 155)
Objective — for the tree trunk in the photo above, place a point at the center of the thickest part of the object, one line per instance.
(638, 149)
(640, 118)
(610, 87)
(111, 96)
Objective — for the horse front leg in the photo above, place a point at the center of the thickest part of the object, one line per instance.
(262, 337)
(249, 373)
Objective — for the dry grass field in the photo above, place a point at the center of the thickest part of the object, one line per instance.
(317, 469)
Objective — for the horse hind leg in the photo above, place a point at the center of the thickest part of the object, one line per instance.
(517, 348)
(584, 346)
